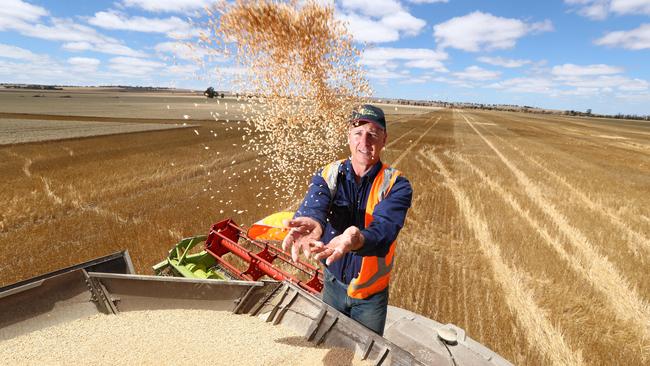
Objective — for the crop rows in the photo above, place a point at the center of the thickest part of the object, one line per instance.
(535, 261)
(530, 232)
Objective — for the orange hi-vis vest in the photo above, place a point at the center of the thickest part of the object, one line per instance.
(375, 271)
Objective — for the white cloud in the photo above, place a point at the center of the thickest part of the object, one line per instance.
(181, 50)
(16, 13)
(421, 80)
(84, 61)
(592, 9)
(536, 85)
(387, 57)
(84, 64)
(367, 30)
(566, 79)
(384, 74)
(634, 85)
(642, 99)
(607, 82)
(404, 22)
(426, 64)
(186, 70)
(33, 71)
(583, 92)
(571, 70)
(172, 26)
(134, 66)
(630, 6)
(635, 39)
(78, 46)
(373, 8)
(476, 31)
(600, 9)
(504, 62)
(179, 6)
(77, 36)
(453, 81)
(477, 73)
(593, 79)
(9, 51)
(378, 21)
(541, 27)
(51, 71)
(112, 48)
(45, 70)
(82, 71)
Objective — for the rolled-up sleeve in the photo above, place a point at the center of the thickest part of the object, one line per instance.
(316, 202)
(388, 219)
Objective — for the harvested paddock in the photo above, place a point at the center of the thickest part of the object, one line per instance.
(531, 232)
(18, 131)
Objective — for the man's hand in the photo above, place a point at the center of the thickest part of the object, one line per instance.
(350, 239)
(304, 230)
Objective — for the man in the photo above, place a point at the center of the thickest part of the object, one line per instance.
(350, 218)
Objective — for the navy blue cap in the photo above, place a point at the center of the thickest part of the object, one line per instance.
(368, 113)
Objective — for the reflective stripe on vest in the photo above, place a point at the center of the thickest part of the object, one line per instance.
(375, 271)
(331, 173)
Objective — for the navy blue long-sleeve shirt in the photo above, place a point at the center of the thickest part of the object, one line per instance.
(348, 209)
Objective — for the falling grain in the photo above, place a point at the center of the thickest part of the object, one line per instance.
(301, 81)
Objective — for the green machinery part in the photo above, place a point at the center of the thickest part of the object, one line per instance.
(197, 265)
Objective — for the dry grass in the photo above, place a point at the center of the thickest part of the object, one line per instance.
(572, 250)
(26, 130)
(531, 237)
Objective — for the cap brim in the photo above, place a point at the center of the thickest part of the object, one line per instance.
(366, 120)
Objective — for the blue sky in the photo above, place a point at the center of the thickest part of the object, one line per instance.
(571, 54)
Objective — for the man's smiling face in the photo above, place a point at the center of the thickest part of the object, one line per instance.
(366, 142)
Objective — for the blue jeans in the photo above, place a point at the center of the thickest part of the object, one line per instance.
(370, 312)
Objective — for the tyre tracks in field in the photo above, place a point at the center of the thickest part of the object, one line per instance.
(415, 143)
(27, 165)
(390, 144)
(637, 241)
(540, 332)
(77, 202)
(393, 142)
(577, 264)
(59, 199)
(591, 135)
(603, 275)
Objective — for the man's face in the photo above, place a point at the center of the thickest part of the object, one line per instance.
(366, 142)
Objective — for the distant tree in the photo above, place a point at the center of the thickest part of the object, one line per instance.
(589, 111)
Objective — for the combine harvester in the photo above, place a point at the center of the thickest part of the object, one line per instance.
(211, 280)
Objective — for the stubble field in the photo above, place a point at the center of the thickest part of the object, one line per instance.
(531, 232)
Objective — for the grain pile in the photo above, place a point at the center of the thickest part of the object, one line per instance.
(169, 337)
(300, 77)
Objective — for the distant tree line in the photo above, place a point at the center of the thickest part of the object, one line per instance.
(616, 116)
(137, 88)
(31, 86)
(512, 108)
